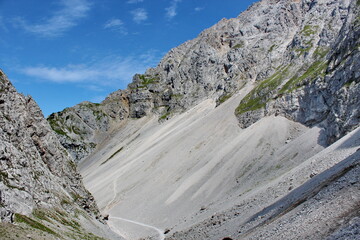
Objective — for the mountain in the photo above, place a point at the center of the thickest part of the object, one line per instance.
(42, 195)
(248, 131)
(292, 48)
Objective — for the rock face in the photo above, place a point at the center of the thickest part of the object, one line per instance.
(39, 180)
(318, 84)
(82, 127)
(301, 55)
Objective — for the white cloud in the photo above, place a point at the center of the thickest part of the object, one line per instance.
(66, 74)
(113, 23)
(198, 9)
(111, 71)
(171, 11)
(134, 1)
(61, 20)
(139, 15)
(116, 25)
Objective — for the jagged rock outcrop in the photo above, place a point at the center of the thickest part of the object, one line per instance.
(319, 84)
(82, 127)
(295, 52)
(39, 185)
(294, 58)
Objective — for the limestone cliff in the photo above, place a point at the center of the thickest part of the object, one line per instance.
(82, 127)
(300, 55)
(40, 188)
(319, 82)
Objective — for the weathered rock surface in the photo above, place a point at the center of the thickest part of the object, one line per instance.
(302, 56)
(320, 84)
(82, 127)
(324, 206)
(297, 59)
(38, 177)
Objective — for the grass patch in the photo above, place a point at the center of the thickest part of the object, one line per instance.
(163, 117)
(349, 82)
(308, 46)
(55, 125)
(177, 96)
(259, 96)
(272, 48)
(309, 30)
(34, 224)
(239, 45)
(41, 214)
(65, 202)
(224, 98)
(321, 52)
(59, 131)
(75, 196)
(316, 69)
(119, 150)
(147, 79)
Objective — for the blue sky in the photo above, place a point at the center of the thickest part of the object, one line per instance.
(63, 52)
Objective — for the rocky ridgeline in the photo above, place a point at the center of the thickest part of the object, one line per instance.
(82, 127)
(40, 186)
(301, 55)
(319, 83)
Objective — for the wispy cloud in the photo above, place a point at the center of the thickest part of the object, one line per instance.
(116, 24)
(112, 71)
(61, 20)
(198, 9)
(134, 1)
(171, 11)
(139, 15)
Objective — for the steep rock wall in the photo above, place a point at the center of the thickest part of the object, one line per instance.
(38, 177)
(294, 52)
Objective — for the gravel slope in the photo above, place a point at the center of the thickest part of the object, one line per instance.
(201, 164)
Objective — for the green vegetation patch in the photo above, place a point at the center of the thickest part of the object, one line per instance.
(54, 124)
(119, 150)
(309, 30)
(308, 46)
(260, 95)
(147, 79)
(241, 44)
(163, 117)
(316, 69)
(321, 52)
(41, 214)
(224, 98)
(75, 196)
(32, 223)
(177, 96)
(272, 48)
(65, 202)
(94, 107)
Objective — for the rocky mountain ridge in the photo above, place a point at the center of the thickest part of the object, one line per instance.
(40, 188)
(288, 49)
(173, 156)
